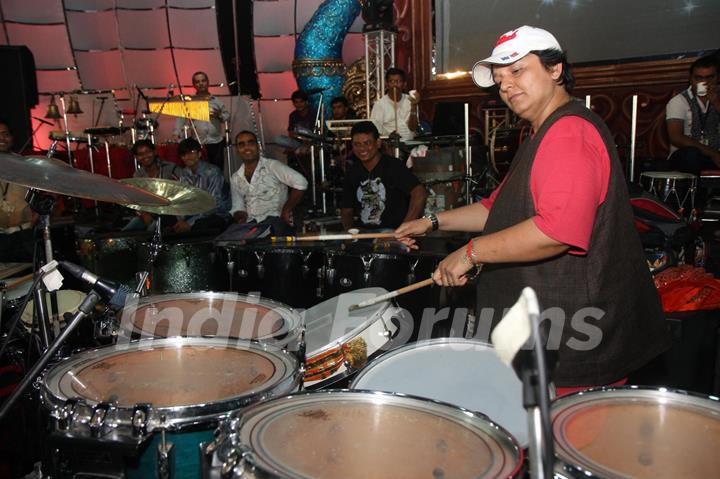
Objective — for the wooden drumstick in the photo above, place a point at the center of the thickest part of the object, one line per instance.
(392, 294)
(342, 236)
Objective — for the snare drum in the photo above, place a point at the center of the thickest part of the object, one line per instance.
(637, 432)
(358, 435)
(110, 408)
(222, 315)
(675, 188)
(464, 372)
(340, 342)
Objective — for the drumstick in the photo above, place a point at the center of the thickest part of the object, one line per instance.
(392, 294)
(12, 282)
(343, 236)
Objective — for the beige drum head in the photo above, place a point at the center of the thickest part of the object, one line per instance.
(638, 433)
(171, 373)
(68, 302)
(379, 435)
(211, 315)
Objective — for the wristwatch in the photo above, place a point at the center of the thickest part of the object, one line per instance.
(434, 220)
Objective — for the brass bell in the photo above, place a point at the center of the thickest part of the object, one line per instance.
(74, 106)
(52, 112)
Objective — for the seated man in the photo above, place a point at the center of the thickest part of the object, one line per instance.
(396, 112)
(693, 121)
(264, 191)
(16, 217)
(384, 192)
(341, 109)
(207, 177)
(149, 166)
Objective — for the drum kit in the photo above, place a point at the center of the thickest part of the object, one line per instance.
(232, 384)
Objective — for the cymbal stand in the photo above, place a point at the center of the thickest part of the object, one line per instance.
(100, 110)
(92, 168)
(42, 204)
(154, 250)
(319, 121)
(229, 167)
(66, 130)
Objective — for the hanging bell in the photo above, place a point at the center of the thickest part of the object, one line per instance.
(74, 106)
(52, 112)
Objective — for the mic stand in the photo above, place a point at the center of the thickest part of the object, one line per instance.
(319, 119)
(85, 308)
(536, 400)
(43, 204)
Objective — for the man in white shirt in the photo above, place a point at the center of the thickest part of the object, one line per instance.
(396, 111)
(693, 121)
(210, 133)
(264, 191)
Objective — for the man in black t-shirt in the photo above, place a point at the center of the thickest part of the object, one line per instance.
(378, 187)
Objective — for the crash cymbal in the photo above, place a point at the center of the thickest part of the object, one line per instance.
(184, 199)
(106, 130)
(55, 176)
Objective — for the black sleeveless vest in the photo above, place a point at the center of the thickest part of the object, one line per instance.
(605, 316)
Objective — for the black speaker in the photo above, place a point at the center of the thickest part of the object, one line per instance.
(18, 92)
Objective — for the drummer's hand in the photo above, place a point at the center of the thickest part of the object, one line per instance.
(405, 231)
(452, 270)
(181, 227)
(215, 112)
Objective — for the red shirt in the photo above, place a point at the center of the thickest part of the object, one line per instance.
(568, 182)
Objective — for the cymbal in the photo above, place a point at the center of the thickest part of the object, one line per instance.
(106, 130)
(184, 199)
(287, 142)
(74, 136)
(55, 176)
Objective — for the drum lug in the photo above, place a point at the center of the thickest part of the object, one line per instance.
(139, 419)
(330, 269)
(321, 279)
(260, 266)
(66, 414)
(306, 266)
(97, 419)
(411, 274)
(367, 261)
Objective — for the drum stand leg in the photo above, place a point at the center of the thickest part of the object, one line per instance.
(165, 458)
(155, 246)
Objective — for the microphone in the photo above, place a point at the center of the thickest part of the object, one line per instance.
(43, 121)
(114, 293)
(314, 91)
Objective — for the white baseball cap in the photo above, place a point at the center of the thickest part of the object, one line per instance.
(511, 47)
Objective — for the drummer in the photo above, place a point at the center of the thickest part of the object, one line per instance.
(378, 187)
(207, 177)
(560, 223)
(149, 166)
(396, 111)
(16, 217)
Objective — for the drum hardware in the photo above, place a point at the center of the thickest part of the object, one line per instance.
(260, 255)
(411, 274)
(367, 261)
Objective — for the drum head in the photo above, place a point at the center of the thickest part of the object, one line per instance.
(211, 315)
(463, 372)
(68, 301)
(639, 433)
(181, 378)
(359, 435)
(668, 175)
(331, 322)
